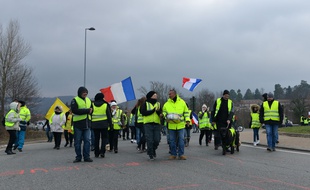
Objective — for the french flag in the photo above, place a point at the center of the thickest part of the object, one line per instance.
(190, 83)
(121, 92)
(195, 118)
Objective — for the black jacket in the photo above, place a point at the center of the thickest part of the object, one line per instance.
(85, 123)
(103, 123)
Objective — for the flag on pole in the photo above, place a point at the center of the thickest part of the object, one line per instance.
(195, 118)
(57, 102)
(190, 83)
(121, 92)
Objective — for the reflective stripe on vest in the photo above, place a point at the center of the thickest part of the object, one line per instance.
(82, 104)
(271, 113)
(255, 120)
(99, 113)
(218, 105)
(153, 118)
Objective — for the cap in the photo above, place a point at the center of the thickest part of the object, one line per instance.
(269, 95)
(226, 92)
(113, 104)
(150, 94)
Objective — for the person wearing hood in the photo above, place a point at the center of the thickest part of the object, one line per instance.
(68, 132)
(25, 115)
(12, 120)
(255, 124)
(177, 116)
(57, 124)
(101, 121)
(81, 108)
(151, 112)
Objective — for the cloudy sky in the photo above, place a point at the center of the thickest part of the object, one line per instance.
(229, 44)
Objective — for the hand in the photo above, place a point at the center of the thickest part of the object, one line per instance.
(90, 110)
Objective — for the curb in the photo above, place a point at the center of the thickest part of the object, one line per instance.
(281, 147)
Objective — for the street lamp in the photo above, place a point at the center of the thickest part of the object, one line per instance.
(91, 29)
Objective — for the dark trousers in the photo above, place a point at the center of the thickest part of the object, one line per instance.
(100, 134)
(68, 137)
(12, 139)
(125, 133)
(113, 139)
(57, 139)
(133, 132)
(152, 135)
(206, 133)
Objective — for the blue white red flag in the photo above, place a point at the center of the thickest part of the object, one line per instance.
(190, 83)
(195, 118)
(120, 92)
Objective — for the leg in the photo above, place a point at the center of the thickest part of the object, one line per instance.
(97, 139)
(149, 136)
(172, 142)
(86, 143)
(180, 134)
(269, 136)
(66, 137)
(77, 143)
(104, 140)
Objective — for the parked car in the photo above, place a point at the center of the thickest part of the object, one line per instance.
(39, 125)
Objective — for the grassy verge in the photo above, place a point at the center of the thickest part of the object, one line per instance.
(297, 129)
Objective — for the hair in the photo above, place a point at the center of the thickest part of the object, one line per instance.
(140, 102)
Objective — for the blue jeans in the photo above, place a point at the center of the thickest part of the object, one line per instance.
(271, 132)
(255, 134)
(152, 134)
(79, 136)
(49, 135)
(20, 139)
(176, 138)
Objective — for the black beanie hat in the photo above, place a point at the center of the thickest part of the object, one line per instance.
(150, 94)
(264, 96)
(226, 92)
(99, 96)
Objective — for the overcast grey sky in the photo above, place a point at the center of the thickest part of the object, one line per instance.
(231, 44)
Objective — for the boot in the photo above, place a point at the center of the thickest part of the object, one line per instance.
(9, 152)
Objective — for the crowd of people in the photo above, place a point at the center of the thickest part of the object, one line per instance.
(92, 125)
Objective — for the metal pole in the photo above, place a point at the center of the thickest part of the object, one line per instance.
(85, 59)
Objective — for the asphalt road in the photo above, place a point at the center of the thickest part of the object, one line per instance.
(39, 166)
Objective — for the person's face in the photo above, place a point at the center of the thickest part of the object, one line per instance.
(269, 99)
(171, 94)
(84, 94)
(204, 108)
(113, 107)
(154, 96)
(226, 96)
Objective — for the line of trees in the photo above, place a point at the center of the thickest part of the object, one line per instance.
(298, 97)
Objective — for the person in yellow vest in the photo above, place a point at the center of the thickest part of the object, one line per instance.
(57, 123)
(67, 129)
(140, 133)
(101, 121)
(204, 124)
(177, 116)
(81, 109)
(221, 116)
(187, 129)
(255, 124)
(118, 122)
(12, 120)
(151, 111)
(125, 128)
(25, 115)
(271, 115)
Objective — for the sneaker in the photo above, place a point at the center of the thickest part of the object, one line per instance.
(115, 151)
(76, 160)
(15, 147)
(277, 142)
(182, 157)
(20, 150)
(257, 142)
(269, 149)
(102, 155)
(151, 158)
(254, 143)
(172, 157)
(88, 160)
(273, 149)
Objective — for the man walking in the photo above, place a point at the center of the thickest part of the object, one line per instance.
(271, 115)
(177, 116)
(81, 108)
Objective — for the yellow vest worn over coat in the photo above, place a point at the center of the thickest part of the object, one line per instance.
(271, 113)
(82, 104)
(178, 107)
(153, 118)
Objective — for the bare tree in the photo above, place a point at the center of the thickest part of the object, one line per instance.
(204, 97)
(160, 88)
(16, 79)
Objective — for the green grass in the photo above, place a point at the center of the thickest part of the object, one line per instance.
(296, 129)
